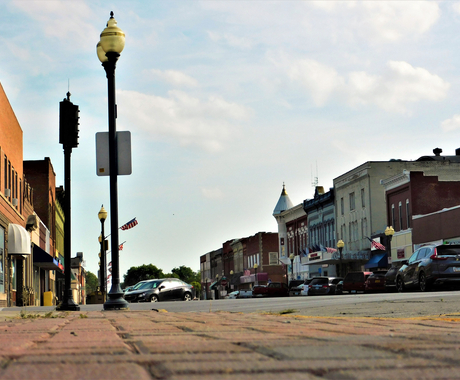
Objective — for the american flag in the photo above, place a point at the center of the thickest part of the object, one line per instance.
(377, 245)
(129, 225)
(120, 247)
(331, 250)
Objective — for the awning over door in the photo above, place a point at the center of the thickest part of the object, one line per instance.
(44, 260)
(377, 261)
(18, 240)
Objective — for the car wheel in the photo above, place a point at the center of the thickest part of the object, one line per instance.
(399, 285)
(424, 287)
(154, 298)
(187, 297)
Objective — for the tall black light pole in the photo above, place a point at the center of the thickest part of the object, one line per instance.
(340, 245)
(291, 257)
(108, 50)
(68, 137)
(102, 215)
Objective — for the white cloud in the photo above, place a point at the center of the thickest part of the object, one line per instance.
(450, 125)
(401, 85)
(394, 90)
(67, 21)
(175, 77)
(209, 124)
(384, 20)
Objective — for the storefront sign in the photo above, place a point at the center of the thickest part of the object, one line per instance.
(314, 256)
(352, 256)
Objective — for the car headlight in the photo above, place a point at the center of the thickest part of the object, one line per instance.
(142, 294)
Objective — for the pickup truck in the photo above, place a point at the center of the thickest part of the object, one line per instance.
(273, 289)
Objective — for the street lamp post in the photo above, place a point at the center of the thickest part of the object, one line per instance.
(206, 288)
(255, 274)
(102, 215)
(108, 50)
(291, 257)
(340, 245)
(389, 232)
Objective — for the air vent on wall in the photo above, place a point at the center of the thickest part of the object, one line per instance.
(7, 192)
(15, 202)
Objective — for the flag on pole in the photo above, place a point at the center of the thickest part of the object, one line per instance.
(129, 225)
(120, 247)
(377, 245)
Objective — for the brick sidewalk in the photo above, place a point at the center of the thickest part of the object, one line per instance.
(203, 346)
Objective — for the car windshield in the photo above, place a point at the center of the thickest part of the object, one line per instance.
(149, 285)
(137, 286)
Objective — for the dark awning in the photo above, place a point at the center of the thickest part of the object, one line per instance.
(377, 261)
(44, 260)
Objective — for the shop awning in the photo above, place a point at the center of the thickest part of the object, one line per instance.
(18, 240)
(214, 285)
(377, 261)
(44, 260)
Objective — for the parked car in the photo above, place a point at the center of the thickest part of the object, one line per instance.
(273, 289)
(339, 288)
(375, 282)
(244, 293)
(300, 290)
(323, 285)
(429, 266)
(354, 282)
(390, 276)
(239, 294)
(233, 295)
(165, 289)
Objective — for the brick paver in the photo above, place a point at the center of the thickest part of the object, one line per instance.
(203, 346)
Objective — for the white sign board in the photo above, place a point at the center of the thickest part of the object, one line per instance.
(123, 149)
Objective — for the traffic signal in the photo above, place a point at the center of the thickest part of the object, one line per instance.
(68, 123)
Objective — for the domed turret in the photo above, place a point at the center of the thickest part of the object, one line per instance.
(284, 203)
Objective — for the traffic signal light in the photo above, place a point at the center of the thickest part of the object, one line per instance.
(68, 123)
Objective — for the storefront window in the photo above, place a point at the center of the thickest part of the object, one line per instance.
(2, 260)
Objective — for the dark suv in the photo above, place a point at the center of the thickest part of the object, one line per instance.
(429, 266)
(165, 289)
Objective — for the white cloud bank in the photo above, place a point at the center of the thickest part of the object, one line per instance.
(394, 90)
(190, 121)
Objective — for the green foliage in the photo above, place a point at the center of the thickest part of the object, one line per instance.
(144, 272)
(187, 274)
(150, 271)
(197, 286)
(92, 282)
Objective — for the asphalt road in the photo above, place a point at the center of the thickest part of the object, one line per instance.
(397, 305)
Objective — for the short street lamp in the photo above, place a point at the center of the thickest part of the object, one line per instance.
(102, 215)
(291, 257)
(340, 245)
(255, 273)
(389, 232)
(108, 50)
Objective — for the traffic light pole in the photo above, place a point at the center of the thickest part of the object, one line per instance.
(68, 302)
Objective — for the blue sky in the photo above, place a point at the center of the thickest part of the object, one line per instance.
(225, 101)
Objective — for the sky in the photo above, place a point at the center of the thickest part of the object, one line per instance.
(225, 102)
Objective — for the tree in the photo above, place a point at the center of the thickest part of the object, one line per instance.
(186, 274)
(141, 273)
(92, 282)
